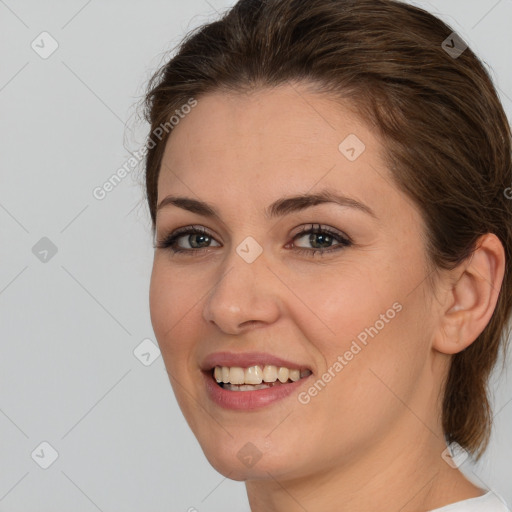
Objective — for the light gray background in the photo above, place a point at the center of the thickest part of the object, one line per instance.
(69, 326)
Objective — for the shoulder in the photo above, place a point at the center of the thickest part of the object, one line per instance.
(489, 502)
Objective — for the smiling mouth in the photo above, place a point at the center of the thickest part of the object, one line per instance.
(252, 378)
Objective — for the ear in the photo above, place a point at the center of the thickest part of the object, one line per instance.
(471, 296)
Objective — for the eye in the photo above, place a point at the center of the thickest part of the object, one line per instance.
(188, 239)
(193, 240)
(320, 240)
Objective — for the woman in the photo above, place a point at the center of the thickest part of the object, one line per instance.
(331, 279)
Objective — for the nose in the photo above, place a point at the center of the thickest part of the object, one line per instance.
(245, 295)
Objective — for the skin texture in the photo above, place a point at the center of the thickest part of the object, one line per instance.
(372, 438)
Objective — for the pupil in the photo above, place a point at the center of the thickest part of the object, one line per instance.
(322, 239)
(199, 240)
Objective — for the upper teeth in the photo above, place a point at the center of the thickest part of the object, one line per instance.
(257, 374)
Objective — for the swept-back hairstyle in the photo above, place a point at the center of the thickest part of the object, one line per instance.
(446, 137)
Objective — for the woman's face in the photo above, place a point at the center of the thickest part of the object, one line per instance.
(248, 289)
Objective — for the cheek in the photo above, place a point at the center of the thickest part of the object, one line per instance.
(174, 319)
(173, 300)
(368, 329)
(161, 302)
(361, 390)
(336, 304)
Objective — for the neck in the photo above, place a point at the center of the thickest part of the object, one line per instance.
(402, 472)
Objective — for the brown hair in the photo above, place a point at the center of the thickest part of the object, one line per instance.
(447, 138)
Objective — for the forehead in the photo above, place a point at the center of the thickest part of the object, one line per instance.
(287, 132)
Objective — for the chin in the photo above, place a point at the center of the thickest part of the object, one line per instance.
(241, 460)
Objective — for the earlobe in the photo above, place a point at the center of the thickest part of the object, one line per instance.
(471, 299)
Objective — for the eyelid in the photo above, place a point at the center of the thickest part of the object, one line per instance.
(323, 228)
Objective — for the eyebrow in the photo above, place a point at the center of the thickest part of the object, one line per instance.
(281, 207)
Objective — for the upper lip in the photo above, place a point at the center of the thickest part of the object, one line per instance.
(247, 359)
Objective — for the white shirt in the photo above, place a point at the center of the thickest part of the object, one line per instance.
(489, 502)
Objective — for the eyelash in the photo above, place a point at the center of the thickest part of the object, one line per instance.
(169, 242)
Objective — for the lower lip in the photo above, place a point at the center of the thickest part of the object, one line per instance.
(247, 400)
